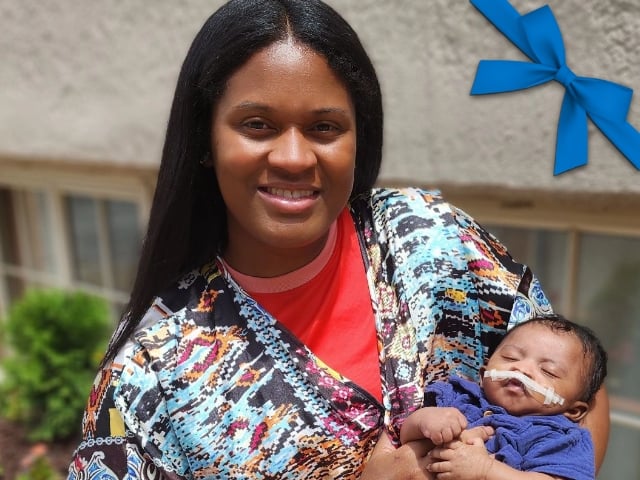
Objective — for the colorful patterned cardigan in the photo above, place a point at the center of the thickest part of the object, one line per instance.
(211, 386)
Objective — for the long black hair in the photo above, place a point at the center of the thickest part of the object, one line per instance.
(187, 223)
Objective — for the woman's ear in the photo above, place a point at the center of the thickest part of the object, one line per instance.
(577, 411)
(207, 161)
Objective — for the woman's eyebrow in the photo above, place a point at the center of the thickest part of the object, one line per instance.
(249, 105)
(339, 110)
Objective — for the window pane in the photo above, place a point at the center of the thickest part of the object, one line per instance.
(124, 239)
(620, 462)
(608, 300)
(8, 240)
(83, 231)
(26, 231)
(545, 251)
(42, 245)
(16, 288)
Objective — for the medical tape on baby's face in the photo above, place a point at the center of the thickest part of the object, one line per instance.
(549, 394)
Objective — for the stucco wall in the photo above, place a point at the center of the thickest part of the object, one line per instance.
(93, 80)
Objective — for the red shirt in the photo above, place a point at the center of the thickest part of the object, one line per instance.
(330, 312)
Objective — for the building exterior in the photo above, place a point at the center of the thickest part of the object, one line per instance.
(85, 89)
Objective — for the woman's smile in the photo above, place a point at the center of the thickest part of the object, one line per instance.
(289, 200)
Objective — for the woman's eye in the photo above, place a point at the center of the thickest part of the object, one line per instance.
(256, 125)
(325, 128)
(256, 128)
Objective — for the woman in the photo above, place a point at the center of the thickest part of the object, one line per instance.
(286, 315)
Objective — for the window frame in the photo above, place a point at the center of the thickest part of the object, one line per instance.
(57, 181)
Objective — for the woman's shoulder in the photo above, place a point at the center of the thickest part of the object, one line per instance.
(412, 213)
(408, 196)
(176, 309)
(415, 201)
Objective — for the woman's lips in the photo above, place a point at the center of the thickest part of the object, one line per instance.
(289, 200)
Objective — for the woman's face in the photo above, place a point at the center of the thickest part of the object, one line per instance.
(284, 146)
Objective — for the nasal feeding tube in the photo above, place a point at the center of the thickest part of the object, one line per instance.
(550, 396)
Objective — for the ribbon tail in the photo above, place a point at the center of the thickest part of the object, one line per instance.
(507, 20)
(602, 98)
(498, 76)
(572, 136)
(624, 137)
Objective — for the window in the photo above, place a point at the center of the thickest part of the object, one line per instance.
(26, 239)
(67, 240)
(594, 279)
(82, 214)
(124, 240)
(104, 239)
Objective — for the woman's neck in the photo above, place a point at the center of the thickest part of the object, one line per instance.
(275, 262)
(291, 280)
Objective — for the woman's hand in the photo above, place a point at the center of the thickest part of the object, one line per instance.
(411, 460)
(407, 462)
(461, 461)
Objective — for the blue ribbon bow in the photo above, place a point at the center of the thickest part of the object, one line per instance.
(538, 36)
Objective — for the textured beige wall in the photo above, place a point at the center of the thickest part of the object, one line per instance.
(92, 80)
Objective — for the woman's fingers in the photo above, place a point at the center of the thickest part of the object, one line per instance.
(445, 452)
(440, 467)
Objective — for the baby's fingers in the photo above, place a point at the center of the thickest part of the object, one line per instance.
(452, 428)
(484, 433)
(448, 434)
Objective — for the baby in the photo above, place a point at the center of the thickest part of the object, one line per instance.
(536, 387)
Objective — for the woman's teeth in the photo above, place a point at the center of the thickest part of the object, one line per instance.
(290, 194)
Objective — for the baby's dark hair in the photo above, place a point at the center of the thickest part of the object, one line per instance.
(592, 349)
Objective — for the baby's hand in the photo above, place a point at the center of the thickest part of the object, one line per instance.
(438, 424)
(483, 432)
(445, 426)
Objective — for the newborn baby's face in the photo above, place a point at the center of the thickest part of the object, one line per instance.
(551, 359)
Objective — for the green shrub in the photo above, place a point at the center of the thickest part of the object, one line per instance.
(40, 470)
(55, 342)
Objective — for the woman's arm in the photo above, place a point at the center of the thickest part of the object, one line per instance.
(598, 423)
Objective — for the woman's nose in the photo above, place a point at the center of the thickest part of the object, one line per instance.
(292, 152)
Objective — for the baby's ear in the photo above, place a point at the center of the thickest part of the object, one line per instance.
(577, 411)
